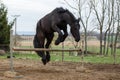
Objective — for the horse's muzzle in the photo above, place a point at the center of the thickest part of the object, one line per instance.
(77, 40)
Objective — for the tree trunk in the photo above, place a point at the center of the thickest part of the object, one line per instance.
(118, 30)
(104, 49)
(85, 41)
(107, 50)
(101, 41)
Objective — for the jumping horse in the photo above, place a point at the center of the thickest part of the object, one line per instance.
(56, 21)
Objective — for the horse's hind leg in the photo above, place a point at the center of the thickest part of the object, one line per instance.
(39, 43)
(49, 40)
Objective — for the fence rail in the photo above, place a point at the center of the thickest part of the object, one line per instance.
(44, 49)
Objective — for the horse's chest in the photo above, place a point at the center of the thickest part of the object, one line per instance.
(61, 25)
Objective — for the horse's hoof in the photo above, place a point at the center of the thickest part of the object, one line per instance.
(44, 61)
(47, 58)
(57, 42)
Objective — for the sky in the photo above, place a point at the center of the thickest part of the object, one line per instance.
(30, 12)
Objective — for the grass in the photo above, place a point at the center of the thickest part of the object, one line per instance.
(93, 49)
(58, 57)
(101, 59)
(118, 51)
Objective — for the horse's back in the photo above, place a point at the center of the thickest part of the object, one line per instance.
(48, 22)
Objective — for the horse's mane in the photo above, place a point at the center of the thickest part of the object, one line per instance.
(71, 15)
(61, 10)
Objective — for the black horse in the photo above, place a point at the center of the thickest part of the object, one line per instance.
(55, 21)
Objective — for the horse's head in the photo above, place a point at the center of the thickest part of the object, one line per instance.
(75, 26)
(72, 21)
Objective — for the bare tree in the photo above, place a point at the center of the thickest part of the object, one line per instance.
(100, 16)
(85, 23)
(110, 13)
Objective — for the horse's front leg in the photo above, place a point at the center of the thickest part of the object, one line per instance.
(65, 34)
(59, 39)
(60, 35)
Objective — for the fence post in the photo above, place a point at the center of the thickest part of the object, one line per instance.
(11, 51)
(62, 51)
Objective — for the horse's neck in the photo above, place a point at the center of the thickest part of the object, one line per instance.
(69, 17)
(69, 20)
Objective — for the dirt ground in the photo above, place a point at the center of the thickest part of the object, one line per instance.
(35, 70)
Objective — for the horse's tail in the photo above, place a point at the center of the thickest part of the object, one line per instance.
(37, 45)
(35, 42)
(40, 53)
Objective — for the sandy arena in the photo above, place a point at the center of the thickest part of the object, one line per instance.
(34, 70)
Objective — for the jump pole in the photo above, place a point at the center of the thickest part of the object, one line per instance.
(44, 49)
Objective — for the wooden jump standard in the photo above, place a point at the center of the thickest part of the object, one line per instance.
(44, 49)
